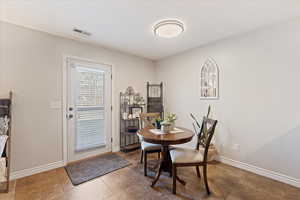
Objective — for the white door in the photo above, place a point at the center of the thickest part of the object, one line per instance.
(89, 109)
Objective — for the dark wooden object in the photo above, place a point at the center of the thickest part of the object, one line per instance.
(201, 137)
(155, 98)
(165, 140)
(168, 138)
(205, 142)
(5, 110)
(147, 120)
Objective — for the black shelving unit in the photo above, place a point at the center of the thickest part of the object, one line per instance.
(128, 134)
(129, 126)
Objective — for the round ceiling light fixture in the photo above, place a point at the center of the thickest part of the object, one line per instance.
(168, 28)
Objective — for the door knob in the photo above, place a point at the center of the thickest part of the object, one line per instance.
(70, 116)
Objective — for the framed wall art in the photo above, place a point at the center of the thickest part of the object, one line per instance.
(136, 111)
(209, 80)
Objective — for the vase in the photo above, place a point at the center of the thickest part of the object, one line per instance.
(166, 128)
(172, 126)
(158, 125)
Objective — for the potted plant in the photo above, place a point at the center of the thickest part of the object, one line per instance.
(169, 123)
(158, 122)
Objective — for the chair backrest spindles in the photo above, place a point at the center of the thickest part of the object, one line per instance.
(206, 135)
(198, 130)
(147, 119)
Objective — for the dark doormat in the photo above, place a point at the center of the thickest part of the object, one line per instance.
(89, 169)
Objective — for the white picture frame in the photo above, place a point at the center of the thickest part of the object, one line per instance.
(209, 80)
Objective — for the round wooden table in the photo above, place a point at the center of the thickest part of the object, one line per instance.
(166, 140)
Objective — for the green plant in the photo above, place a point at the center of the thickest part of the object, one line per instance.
(170, 118)
(158, 120)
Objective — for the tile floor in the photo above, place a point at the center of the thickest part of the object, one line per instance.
(226, 182)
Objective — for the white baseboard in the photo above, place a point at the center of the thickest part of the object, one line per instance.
(35, 170)
(116, 148)
(260, 171)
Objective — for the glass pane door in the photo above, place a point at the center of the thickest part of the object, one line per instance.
(90, 109)
(89, 124)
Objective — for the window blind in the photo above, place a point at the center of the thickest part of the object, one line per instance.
(90, 109)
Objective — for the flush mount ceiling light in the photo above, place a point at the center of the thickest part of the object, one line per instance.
(168, 28)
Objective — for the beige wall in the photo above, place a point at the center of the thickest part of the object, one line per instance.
(259, 100)
(31, 65)
(257, 109)
(1, 58)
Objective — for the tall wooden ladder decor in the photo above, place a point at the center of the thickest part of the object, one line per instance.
(155, 98)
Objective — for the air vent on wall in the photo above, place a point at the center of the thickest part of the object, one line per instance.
(81, 32)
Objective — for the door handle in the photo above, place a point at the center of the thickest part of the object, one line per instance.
(70, 116)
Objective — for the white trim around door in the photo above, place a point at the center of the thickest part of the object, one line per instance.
(65, 102)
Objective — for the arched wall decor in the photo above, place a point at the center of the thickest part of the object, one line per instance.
(209, 83)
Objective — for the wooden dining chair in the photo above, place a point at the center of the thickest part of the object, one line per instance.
(197, 128)
(148, 120)
(182, 157)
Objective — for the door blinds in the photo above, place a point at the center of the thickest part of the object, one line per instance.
(90, 130)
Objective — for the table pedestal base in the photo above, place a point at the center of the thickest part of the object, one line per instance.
(165, 165)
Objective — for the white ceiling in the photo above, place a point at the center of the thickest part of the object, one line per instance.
(126, 25)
